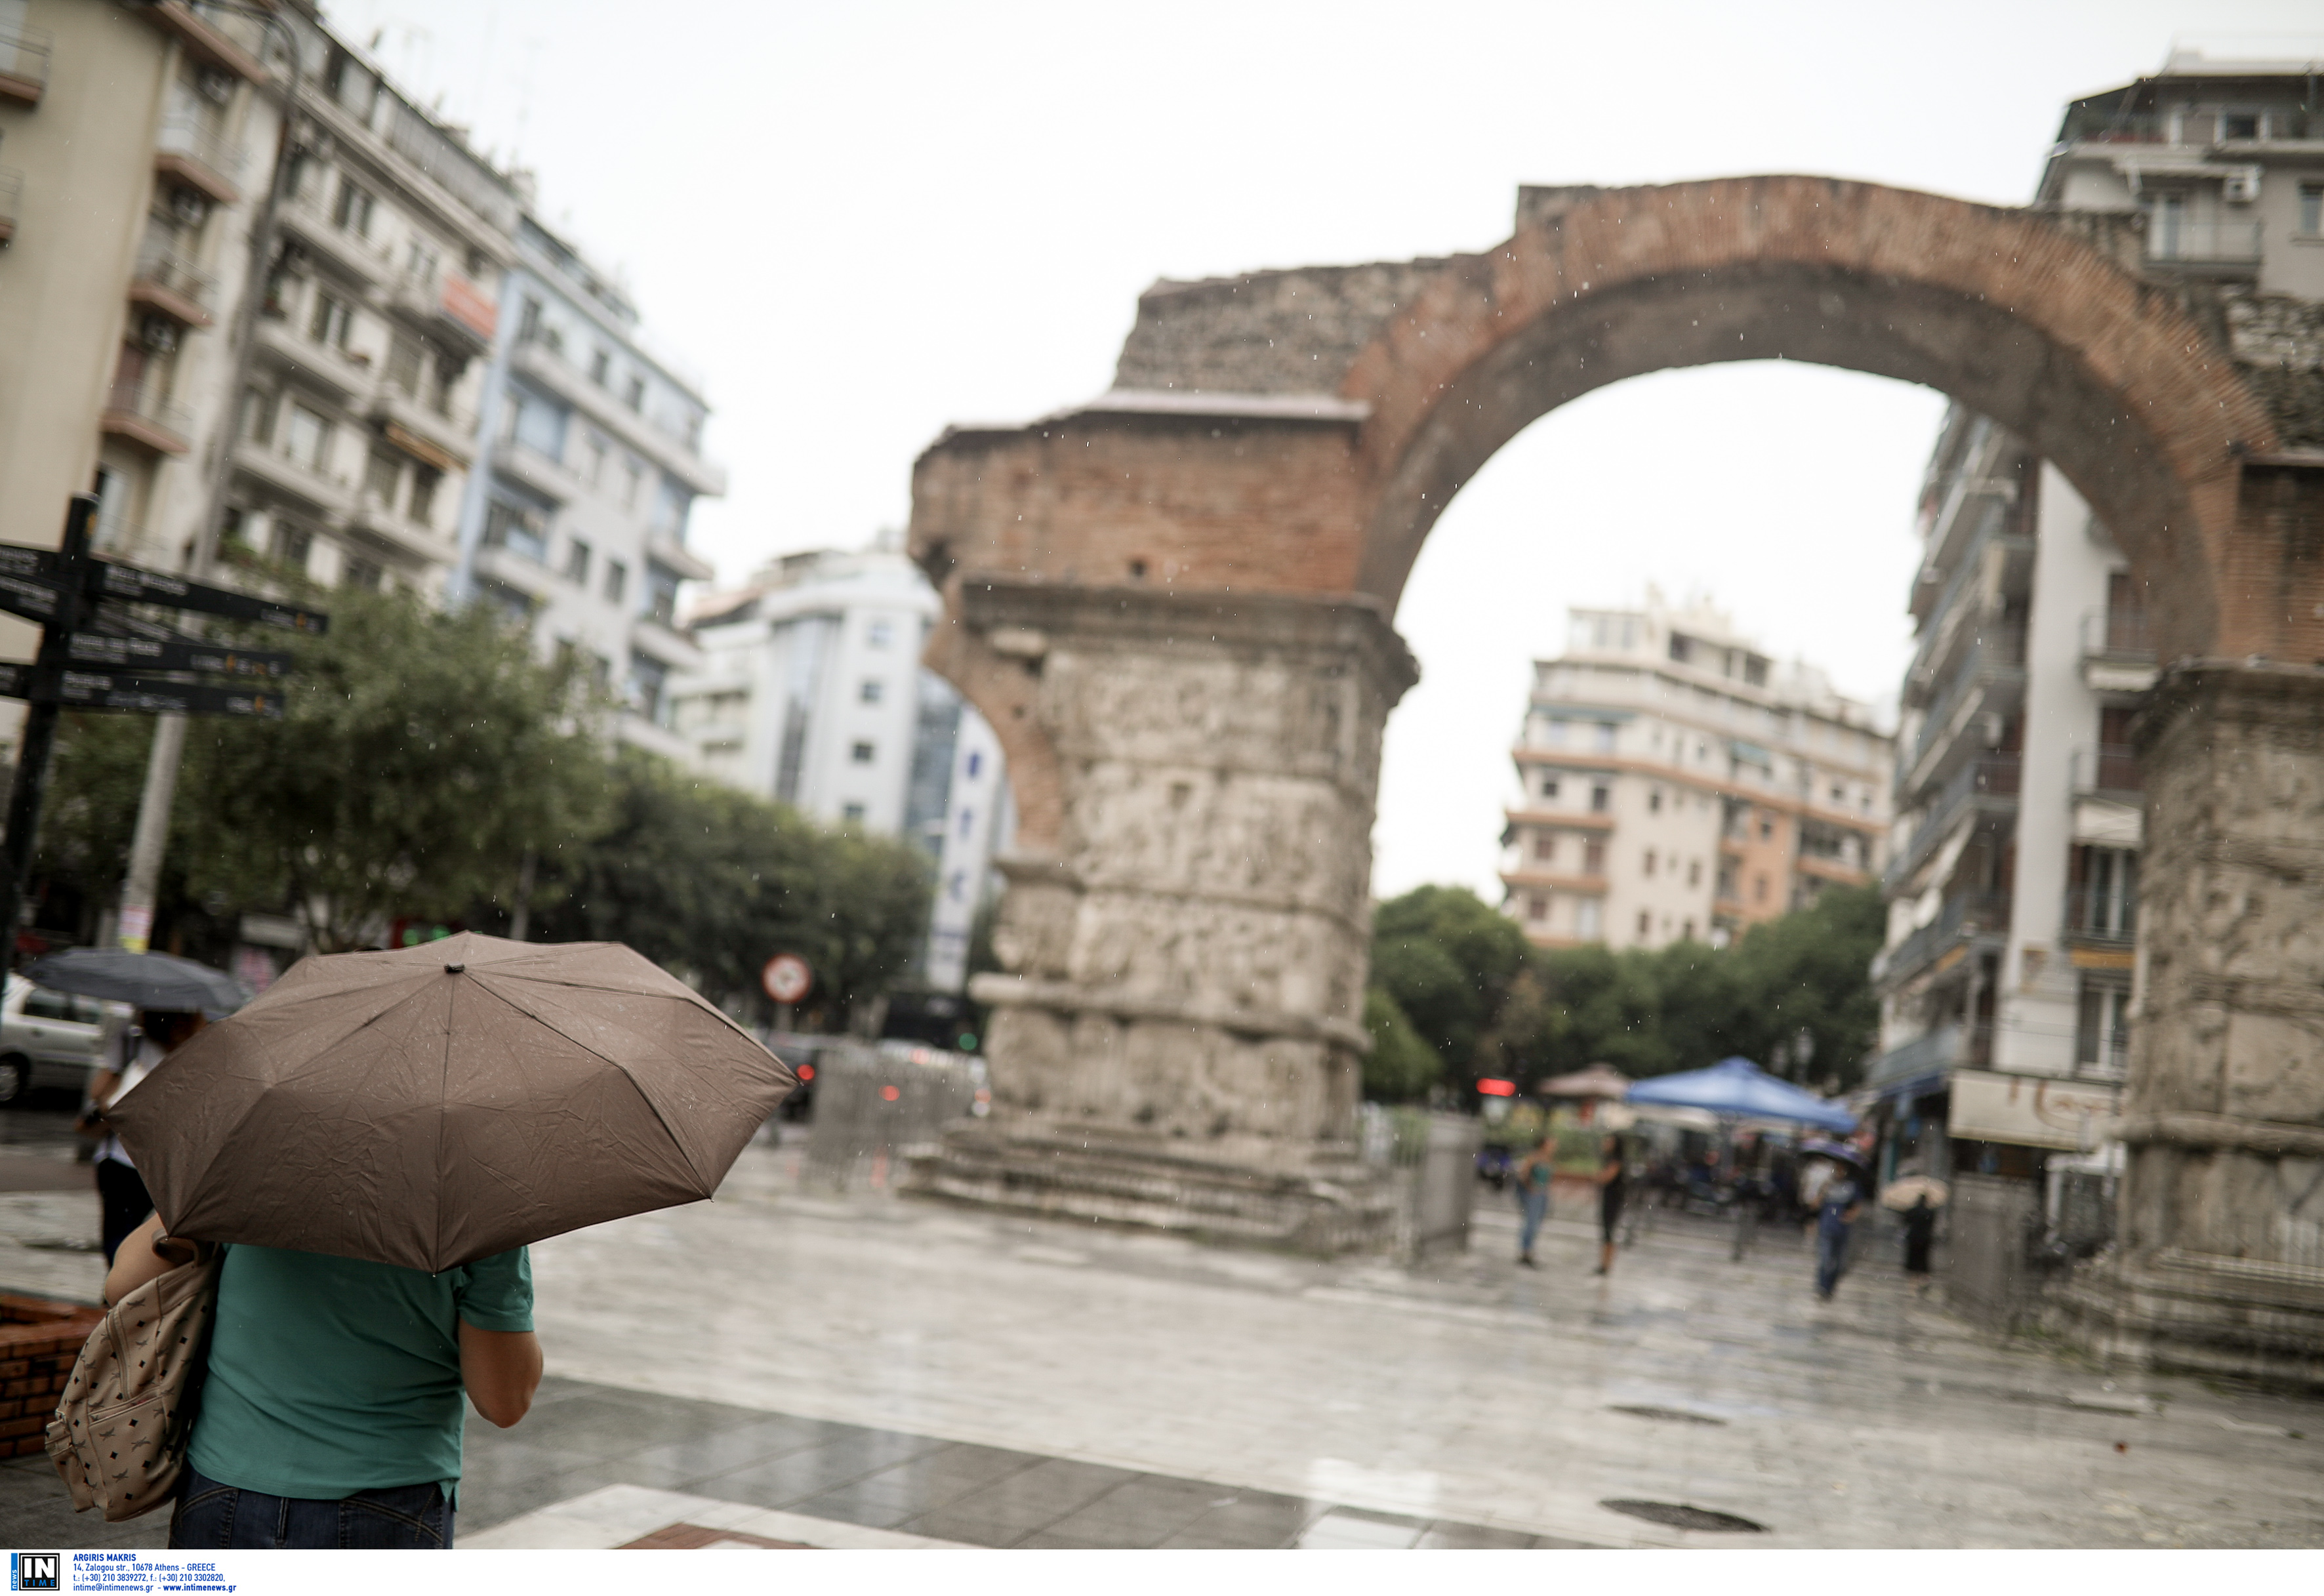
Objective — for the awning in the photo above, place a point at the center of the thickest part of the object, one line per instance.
(420, 449)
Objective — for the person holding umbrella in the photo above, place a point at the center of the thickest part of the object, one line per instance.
(120, 1190)
(1610, 1178)
(1836, 1216)
(376, 1141)
(1535, 1171)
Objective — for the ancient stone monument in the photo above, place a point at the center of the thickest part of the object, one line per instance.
(1174, 604)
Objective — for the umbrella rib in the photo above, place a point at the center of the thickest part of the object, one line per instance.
(653, 1108)
(685, 992)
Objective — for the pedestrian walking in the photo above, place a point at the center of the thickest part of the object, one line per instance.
(1836, 1213)
(120, 1189)
(1920, 1230)
(331, 1411)
(1610, 1181)
(1535, 1171)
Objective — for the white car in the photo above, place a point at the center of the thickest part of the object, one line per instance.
(47, 1038)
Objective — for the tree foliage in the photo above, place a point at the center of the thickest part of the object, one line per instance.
(1401, 1067)
(715, 882)
(1447, 959)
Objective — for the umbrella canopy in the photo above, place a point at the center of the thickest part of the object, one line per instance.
(435, 1104)
(1737, 1086)
(1597, 1080)
(1823, 1148)
(148, 979)
(1902, 1194)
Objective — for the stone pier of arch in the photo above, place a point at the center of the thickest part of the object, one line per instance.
(1174, 604)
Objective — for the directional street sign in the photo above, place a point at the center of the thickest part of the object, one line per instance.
(34, 600)
(147, 695)
(135, 584)
(97, 651)
(17, 560)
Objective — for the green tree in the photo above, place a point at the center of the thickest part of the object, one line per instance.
(1401, 1067)
(424, 753)
(1447, 959)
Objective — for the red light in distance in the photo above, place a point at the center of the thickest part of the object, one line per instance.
(1492, 1088)
(888, 1094)
(806, 1072)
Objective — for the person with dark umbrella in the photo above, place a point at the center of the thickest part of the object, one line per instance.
(120, 1190)
(1843, 1200)
(1611, 1176)
(1920, 1230)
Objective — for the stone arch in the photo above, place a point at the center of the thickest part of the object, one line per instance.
(2007, 311)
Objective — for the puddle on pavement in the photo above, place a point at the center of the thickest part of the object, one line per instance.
(1679, 1516)
(1671, 1415)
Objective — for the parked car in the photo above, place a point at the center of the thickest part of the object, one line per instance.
(47, 1038)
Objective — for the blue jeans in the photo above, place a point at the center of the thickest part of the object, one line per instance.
(403, 1517)
(1832, 1258)
(1533, 1205)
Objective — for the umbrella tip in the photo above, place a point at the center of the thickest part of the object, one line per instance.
(454, 968)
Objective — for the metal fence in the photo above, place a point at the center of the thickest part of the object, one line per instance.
(1431, 1161)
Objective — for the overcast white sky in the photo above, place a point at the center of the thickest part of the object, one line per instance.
(862, 222)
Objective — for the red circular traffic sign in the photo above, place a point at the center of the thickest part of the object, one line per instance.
(786, 978)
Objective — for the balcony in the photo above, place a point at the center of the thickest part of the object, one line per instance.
(168, 283)
(1964, 918)
(2102, 916)
(350, 252)
(2093, 125)
(2109, 771)
(139, 416)
(1990, 674)
(189, 150)
(375, 516)
(2208, 248)
(448, 309)
(24, 64)
(1988, 785)
(1922, 1065)
(666, 550)
(2117, 652)
(522, 463)
(451, 441)
(536, 360)
(346, 375)
(512, 567)
(12, 194)
(650, 634)
(296, 479)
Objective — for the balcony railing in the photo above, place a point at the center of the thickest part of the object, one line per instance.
(2091, 124)
(2099, 914)
(1964, 914)
(12, 192)
(2107, 768)
(136, 400)
(2117, 634)
(1941, 1049)
(2202, 244)
(1996, 776)
(2000, 650)
(174, 275)
(195, 140)
(24, 62)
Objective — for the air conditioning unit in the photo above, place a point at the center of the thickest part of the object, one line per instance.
(2241, 186)
(1991, 729)
(157, 332)
(216, 83)
(189, 206)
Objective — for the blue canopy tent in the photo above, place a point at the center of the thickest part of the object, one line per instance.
(1737, 1088)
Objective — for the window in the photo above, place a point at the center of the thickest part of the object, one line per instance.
(671, 503)
(872, 690)
(1605, 736)
(2239, 125)
(600, 366)
(617, 578)
(861, 754)
(1767, 829)
(577, 561)
(648, 678)
(635, 395)
(1554, 733)
(593, 470)
(1654, 801)
(404, 359)
(1686, 932)
(528, 321)
(975, 764)
(425, 481)
(383, 474)
(1602, 798)
(1593, 857)
(1549, 787)
(2102, 1030)
(2103, 893)
(879, 635)
(1646, 924)
(420, 261)
(353, 212)
(361, 573)
(1650, 862)
(307, 437)
(331, 323)
(1759, 890)
(521, 528)
(540, 426)
(1694, 876)
(1538, 907)
(292, 545)
(1585, 918)
(852, 813)
(637, 481)
(2311, 208)
(661, 595)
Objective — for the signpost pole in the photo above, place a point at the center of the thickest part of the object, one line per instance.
(40, 734)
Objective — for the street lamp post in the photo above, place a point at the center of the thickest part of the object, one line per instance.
(152, 832)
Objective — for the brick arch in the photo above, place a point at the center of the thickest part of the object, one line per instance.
(2005, 310)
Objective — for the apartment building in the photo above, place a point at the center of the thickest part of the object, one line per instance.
(2007, 983)
(1678, 785)
(576, 520)
(811, 694)
(136, 146)
(380, 303)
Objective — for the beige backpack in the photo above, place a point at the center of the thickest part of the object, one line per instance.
(120, 1433)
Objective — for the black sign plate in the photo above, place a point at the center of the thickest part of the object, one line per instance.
(34, 600)
(144, 694)
(17, 560)
(15, 681)
(135, 584)
(96, 651)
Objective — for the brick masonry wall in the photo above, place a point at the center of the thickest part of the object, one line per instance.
(1264, 332)
(40, 1342)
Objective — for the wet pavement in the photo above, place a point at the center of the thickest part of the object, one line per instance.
(785, 1366)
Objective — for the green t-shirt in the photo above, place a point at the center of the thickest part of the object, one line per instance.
(330, 1375)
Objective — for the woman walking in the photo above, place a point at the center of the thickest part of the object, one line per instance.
(120, 1189)
(1535, 1171)
(1920, 1230)
(1610, 1179)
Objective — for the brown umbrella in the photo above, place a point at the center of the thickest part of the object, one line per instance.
(435, 1104)
(1598, 1080)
